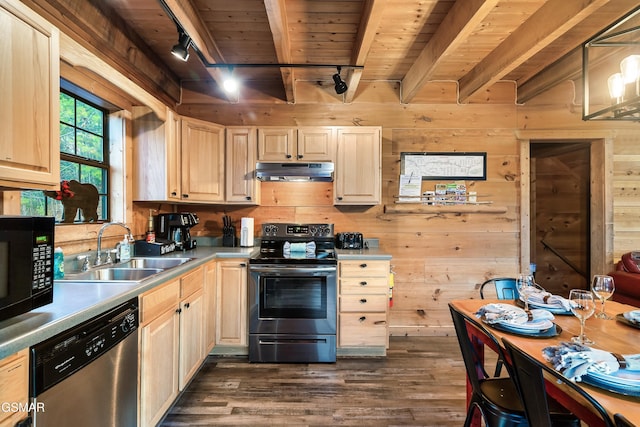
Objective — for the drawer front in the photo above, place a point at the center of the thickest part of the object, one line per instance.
(363, 329)
(191, 282)
(365, 285)
(159, 300)
(364, 268)
(364, 303)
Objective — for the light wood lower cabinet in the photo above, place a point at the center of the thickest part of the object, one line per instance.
(210, 294)
(364, 302)
(231, 311)
(172, 342)
(14, 387)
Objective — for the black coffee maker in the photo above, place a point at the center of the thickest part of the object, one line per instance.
(174, 227)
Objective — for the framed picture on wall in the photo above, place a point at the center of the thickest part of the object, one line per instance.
(449, 166)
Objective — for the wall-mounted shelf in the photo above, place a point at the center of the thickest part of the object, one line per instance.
(420, 208)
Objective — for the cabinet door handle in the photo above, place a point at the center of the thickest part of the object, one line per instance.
(242, 264)
(288, 156)
(339, 197)
(248, 197)
(363, 265)
(174, 193)
(362, 319)
(363, 283)
(187, 305)
(178, 310)
(185, 196)
(300, 156)
(363, 301)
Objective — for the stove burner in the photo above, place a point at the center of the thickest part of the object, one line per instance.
(279, 240)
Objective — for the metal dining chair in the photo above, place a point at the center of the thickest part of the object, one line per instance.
(622, 421)
(528, 374)
(504, 287)
(495, 398)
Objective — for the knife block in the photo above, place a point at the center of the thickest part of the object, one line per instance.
(229, 241)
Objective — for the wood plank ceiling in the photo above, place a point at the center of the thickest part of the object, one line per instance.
(475, 43)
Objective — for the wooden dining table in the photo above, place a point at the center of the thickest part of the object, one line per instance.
(609, 335)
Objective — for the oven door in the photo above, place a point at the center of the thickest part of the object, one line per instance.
(292, 299)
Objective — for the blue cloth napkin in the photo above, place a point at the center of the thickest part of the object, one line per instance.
(498, 312)
(632, 316)
(542, 298)
(575, 360)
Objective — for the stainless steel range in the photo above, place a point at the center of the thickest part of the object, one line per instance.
(293, 295)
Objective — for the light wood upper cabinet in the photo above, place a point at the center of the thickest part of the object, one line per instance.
(156, 154)
(177, 160)
(358, 166)
(29, 106)
(316, 144)
(276, 144)
(202, 149)
(241, 185)
(305, 144)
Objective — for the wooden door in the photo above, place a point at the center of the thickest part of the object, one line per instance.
(560, 220)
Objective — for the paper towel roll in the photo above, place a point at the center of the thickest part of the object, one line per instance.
(246, 232)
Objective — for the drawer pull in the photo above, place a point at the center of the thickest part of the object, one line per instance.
(363, 301)
(363, 265)
(363, 283)
(363, 318)
(380, 322)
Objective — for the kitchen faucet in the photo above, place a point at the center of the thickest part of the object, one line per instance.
(104, 226)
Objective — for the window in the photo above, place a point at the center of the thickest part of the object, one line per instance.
(84, 158)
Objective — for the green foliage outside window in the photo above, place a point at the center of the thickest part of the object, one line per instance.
(83, 157)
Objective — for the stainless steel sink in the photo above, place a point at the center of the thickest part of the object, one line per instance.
(151, 262)
(113, 274)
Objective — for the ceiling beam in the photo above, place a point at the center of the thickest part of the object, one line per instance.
(551, 21)
(569, 67)
(462, 19)
(367, 28)
(188, 18)
(277, 16)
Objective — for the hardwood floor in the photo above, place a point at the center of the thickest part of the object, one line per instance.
(421, 382)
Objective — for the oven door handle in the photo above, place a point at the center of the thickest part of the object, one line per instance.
(291, 269)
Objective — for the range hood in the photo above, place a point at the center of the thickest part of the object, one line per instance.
(294, 171)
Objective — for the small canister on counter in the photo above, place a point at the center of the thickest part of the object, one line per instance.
(58, 264)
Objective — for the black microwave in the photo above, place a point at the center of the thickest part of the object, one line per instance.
(26, 263)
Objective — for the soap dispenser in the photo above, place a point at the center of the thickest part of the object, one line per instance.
(124, 249)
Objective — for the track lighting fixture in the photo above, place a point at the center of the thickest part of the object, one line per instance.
(181, 50)
(341, 86)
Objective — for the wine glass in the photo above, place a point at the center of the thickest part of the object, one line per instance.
(603, 287)
(526, 285)
(582, 306)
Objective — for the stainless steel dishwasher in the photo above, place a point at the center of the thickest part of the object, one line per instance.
(87, 376)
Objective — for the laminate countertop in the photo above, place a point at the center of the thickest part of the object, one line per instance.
(74, 303)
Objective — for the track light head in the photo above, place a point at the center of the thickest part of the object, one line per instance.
(181, 50)
(341, 86)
